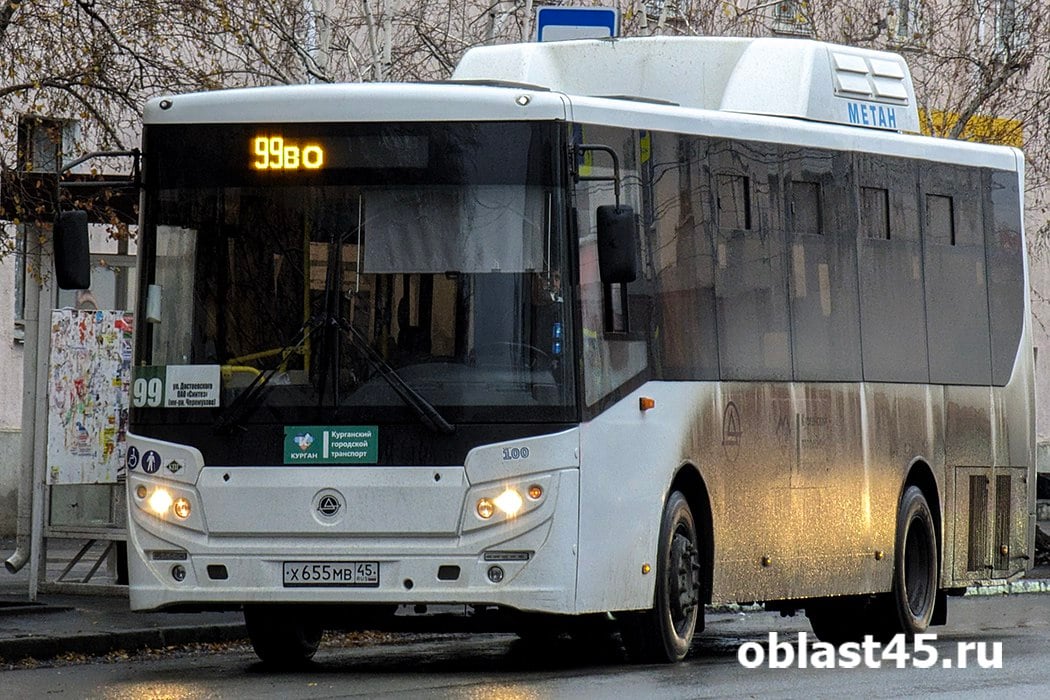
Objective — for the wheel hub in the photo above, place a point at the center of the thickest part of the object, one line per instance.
(684, 579)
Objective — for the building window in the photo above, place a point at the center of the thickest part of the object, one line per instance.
(615, 308)
(40, 144)
(904, 21)
(1011, 26)
(806, 207)
(940, 219)
(19, 239)
(734, 202)
(875, 212)
(792, 17)
(43, 145)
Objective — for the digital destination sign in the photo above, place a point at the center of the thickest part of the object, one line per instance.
(278, 153)
(369, 154)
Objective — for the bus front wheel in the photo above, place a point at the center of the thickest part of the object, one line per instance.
(282, 636)
(664, 633)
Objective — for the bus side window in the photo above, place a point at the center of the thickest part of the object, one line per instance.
(893, 318)
(612, 354)
(1004, 250)
(751, 266)
(954, 271)
(820, 219)
(684, 338)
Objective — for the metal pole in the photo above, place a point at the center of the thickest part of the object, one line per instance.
(31, 319)
(38, 553)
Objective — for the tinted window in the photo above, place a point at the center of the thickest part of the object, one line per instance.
(825, 314)
(893, 318)
(685, 342)
(612, 359)
(1005, 255)
(751, 266)
(955, 277)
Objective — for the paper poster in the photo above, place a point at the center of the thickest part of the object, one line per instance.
(88, 383)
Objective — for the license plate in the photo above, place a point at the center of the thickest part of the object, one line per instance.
(305, 574)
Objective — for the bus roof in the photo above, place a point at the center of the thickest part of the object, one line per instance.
(337, 102)
(741, 92)
(780, 77)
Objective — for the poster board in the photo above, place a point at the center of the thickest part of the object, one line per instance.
(89, 376)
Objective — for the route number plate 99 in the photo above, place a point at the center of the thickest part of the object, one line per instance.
(306, 574)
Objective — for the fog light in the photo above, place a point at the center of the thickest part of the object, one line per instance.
(178, 572)
(160, 502)
(181, 508)
(509, 502)
(486, 508)
(495, 574)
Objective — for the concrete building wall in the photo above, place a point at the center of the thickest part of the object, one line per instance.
(1039, 282)
(10, 398)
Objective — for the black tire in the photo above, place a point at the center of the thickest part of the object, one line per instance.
(664, 633)
(908, 607)
(283, 636)
(916, 569)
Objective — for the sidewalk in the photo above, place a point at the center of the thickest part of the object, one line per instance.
(92, 623)
(97, 624)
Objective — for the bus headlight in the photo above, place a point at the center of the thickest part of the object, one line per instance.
(160, 502)
(495, 502)
(510, 502)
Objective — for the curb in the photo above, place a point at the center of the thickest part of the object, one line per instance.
(97, 644)
(1025, 585)
(1019, 587)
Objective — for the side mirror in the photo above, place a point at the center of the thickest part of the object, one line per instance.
(617, 244)
(72, 254)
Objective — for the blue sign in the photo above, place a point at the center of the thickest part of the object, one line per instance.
(133, 457)
(150, 462)
(562, 23)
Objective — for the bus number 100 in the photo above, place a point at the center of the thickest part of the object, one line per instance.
(274, 153)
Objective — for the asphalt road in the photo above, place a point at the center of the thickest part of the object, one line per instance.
(501, 667)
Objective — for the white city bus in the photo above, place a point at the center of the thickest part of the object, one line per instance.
(597, 330)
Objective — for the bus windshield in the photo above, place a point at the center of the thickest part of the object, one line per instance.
(432, 253)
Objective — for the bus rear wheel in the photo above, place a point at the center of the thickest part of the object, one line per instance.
(915, 569)
(908, 607)
(282, 636)
(664, 633)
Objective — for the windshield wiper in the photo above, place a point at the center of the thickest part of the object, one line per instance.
(333, 323)
(249, 399)
(332, 316)
(427, 412)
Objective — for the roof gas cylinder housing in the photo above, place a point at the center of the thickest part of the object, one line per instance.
(795, 78)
